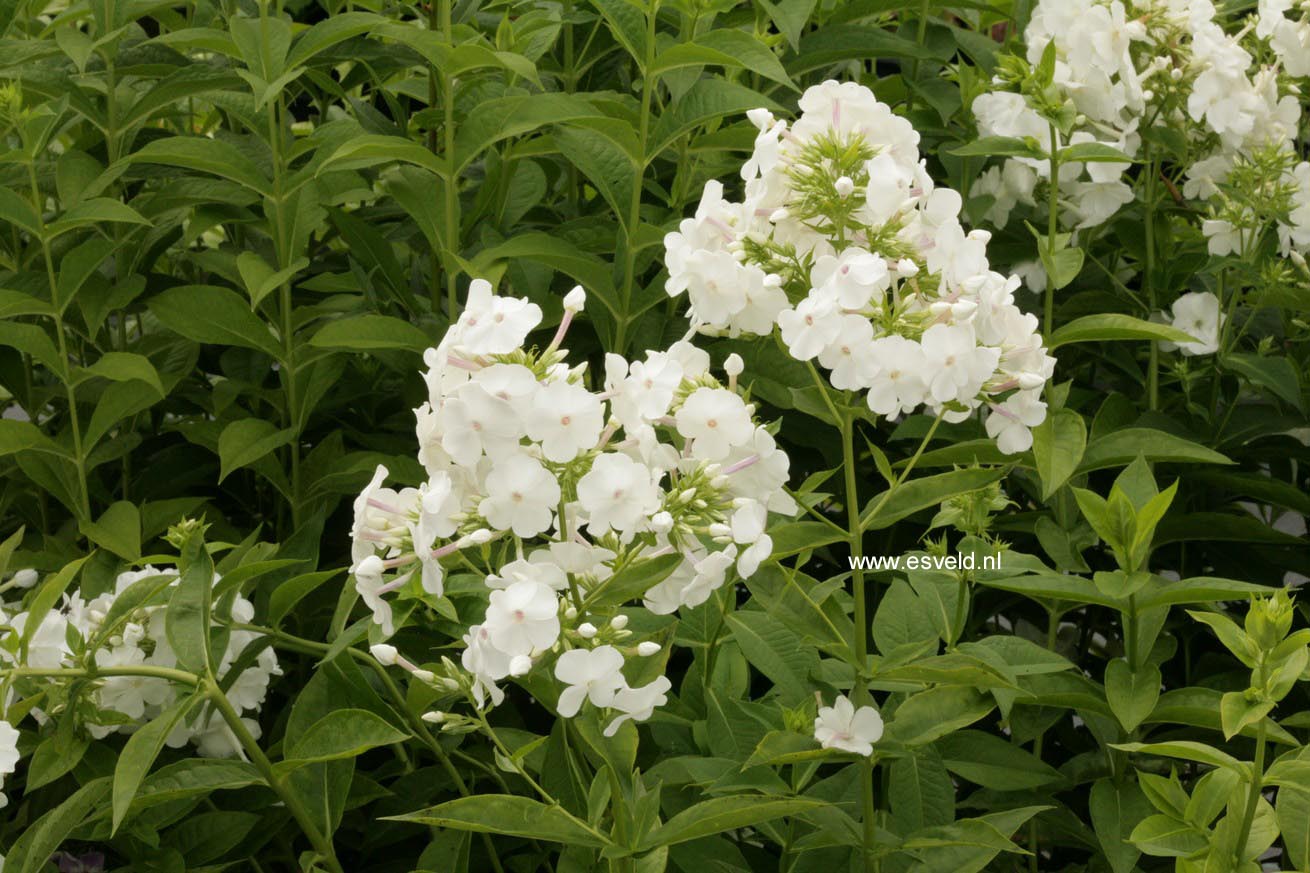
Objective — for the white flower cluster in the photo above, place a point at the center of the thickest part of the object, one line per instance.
(8, 759)
(843, 242)
(1125, 66)
(123, 703)
(578, 486)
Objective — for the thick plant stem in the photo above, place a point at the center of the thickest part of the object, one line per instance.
(638, 177)
(1148, 279)
(84, 494)
(322, 845)
(1252, 798)
(856, 531)
(450, 189)
(855, 534)
(1052, 228)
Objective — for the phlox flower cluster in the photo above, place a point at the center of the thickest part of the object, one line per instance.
(1125, 66)
(557, 488)
(121, 704)
(843, 244)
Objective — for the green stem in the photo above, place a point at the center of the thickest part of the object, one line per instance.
(322, 844)
(450, 190)
(57, 313)
(649, 80)
(855, 536)
(900, 480)
(914, 63)
(1052, 229)
(1252, 798)
(1153, 366)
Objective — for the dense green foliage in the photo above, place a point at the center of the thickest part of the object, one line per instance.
(229, 231)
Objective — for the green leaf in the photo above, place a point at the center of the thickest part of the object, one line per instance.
(1132, 694)
(32, 852)
(140, 752)
(1277, 374)
(1107, 326)
(1062, 266)
(705, 101)
(1000, 147)
(993, 763)
(733, 49)
(1116, 810)
(1189, 750)
(94, 212)
(932, 714)
(260, 279)
(1058, 445)
(835, 43)
(329, 32)
(369, 150)
(366, 333)
(207, 156)
(245, 441)
(50, 593)
(776, 652)
(510, 815)
(127, 367)
(345, 733)
(1093, 152)
(503, 117)
(118, 530)
(187, 622)
(1236, 712)
(719, 814)
(209, 314)
(919, 494)
(1165, 837)
(1121, 447)
(627, 23)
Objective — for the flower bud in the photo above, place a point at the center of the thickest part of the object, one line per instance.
(907, 267)
(647, 648)
(25, 578)
(844, 186)
(571, 613)
(1029, 381)
(575, 300)
(434, 717)
(734, 365)
(761, 118)
(661, 522)
(779, 214)
(619, 622)
(519, 665)
(424, 676)
(385, 655)
(586, 630)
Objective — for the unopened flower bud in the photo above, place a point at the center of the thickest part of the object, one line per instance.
(519, 665)
(25, 578)
(779, 214)
(844, 186)
(571, 613)
(586, 630)
(647, 648)
(434, 717)
(424, 676)
(619, 622)
(1175, 74)
(734, 365)
(575, 300)
(385, 655)
(907, 267)
(1029, 381)
(478, 537)
(761, 118)
(661, 522)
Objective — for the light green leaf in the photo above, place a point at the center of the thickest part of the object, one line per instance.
(719, 814)
(207, 156)
(245, 441)
(365, 333)
(1107, 326)
(511, 815)
(344, 733)
(118, 530)
(1058, 445)
(139, 754)
(209, 314)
